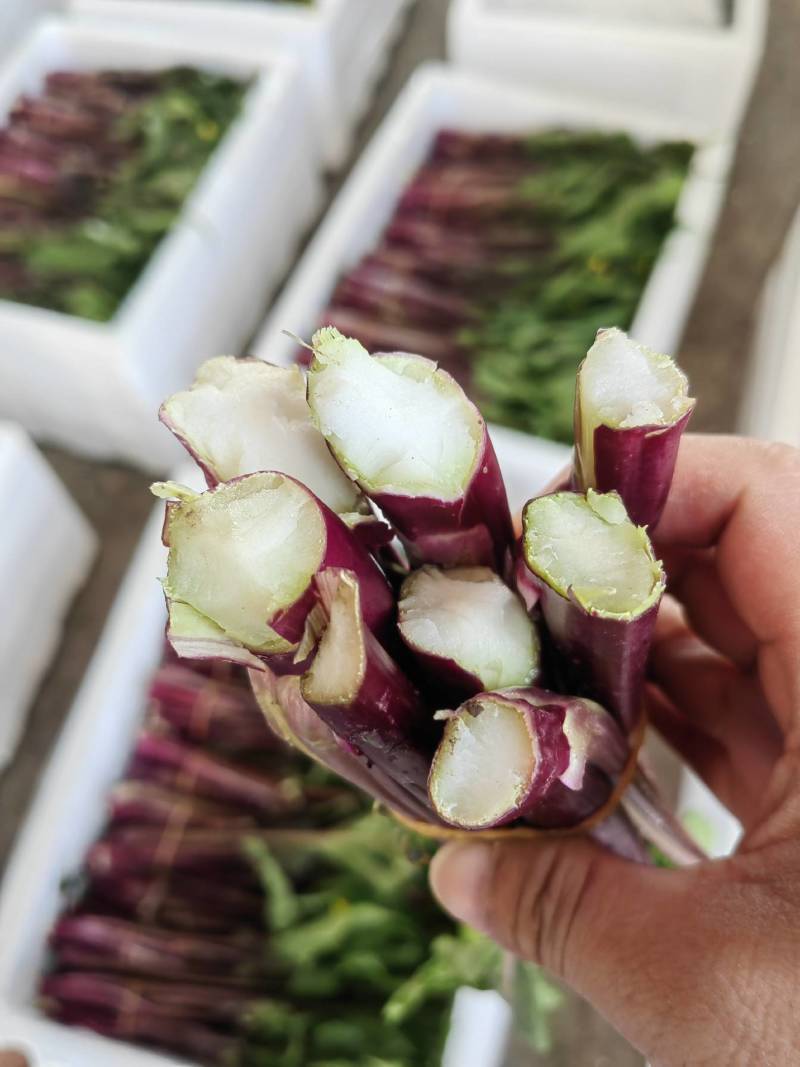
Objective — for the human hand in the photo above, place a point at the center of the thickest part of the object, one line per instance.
(696, 966)
(12, 1059)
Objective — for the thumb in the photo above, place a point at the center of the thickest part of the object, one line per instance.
(613, 930)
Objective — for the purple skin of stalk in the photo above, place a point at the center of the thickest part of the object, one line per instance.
(605, 659)
(213, 1005)
(206, 711)
(192, 770)
(190, 904)
(299, 725)
(148, 850)
(104, 943)
(136, 1021)
(361, 694)
(638, 463)
(143, 804)
(470, 523)
(631, 408)
(340, 548)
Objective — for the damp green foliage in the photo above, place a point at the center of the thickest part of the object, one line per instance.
(610, 205)
(82, 254)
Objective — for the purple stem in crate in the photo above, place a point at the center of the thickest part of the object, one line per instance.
(631, 407)
(226, 1006)
(405, 431)
(299, 725)
(206, 711)
(600, 585)
(192, 853)
(99, 942)
(361, 694)
(242, 563)
(402, 298)
(467, 631)
(195, 904)
(138, 1023)
(193, 771)
(144, 804)
(465, 145)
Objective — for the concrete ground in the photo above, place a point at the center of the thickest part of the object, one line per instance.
(764, 192)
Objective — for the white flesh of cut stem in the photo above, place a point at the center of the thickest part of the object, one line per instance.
(483, 765)
(622, 384)
(469, 615)
(242, 552)
(396, 424)
(587, 548)
(244, 415)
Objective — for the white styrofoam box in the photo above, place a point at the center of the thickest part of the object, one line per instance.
(96, 387)
(342, 45)
(46, 549)
(437, 96)
(680, 12)
(772, 390)
(17, 16)
(701, 74)
(69, 809)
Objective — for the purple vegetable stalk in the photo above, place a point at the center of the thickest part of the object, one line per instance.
(294, 720)
(535, 757)
(144, 804)
(136, 1022)
(193, 771)
(100, 942)
(406, 433)
(359, 691)
(600, 586)
(467, 631)
(205, 711)
(399, 296)
(631, 407)
(177, 903)
(242, 566)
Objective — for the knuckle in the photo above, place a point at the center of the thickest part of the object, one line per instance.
(537, 899)
(781, 458)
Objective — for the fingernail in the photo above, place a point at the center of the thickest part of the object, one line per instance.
(460, 878)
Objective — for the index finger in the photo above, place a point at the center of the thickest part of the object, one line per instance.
(742, 498)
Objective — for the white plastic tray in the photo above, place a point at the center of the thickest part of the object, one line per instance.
(342, 45)
(90, 756)
(772, 389)
(96, 387)
(703, 75)
(46, 549)
(438, 96)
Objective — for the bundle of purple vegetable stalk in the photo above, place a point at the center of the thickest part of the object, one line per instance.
(356, 553)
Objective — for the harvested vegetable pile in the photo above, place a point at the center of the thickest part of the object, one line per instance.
(217, 919)
(503, 255)
(464, 679)
(94, 172)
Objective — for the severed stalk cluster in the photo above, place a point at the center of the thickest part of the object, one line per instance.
(354, 644)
